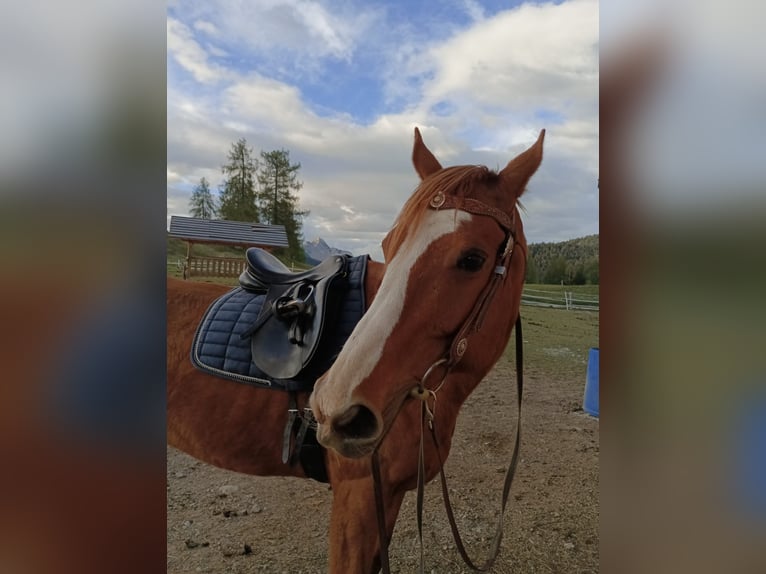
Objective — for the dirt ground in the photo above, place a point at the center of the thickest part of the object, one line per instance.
(220, 521)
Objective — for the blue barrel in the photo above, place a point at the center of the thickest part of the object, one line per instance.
(590, 400)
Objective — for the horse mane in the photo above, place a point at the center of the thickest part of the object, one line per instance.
(459, 181)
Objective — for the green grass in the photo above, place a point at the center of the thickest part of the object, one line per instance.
(556, 341)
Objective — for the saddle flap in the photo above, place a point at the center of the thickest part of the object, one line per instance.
(292, 322)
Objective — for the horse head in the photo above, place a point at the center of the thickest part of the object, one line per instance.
(455, 262)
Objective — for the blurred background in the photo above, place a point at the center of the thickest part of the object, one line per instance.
(682, 203)
(82, 236)
(82, 279)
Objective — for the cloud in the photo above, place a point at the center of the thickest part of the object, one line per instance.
(480, 94)
(207, 27)
(265, 102)
(474, 10)
(532, 56)
(280, 34)
(185, 50)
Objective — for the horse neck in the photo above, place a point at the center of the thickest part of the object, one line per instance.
(372, 280)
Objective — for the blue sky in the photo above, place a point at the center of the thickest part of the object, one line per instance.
(342, 85)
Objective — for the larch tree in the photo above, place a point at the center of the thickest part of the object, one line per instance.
(278, 185)
(238, 199)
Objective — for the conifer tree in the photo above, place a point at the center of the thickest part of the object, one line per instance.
(202, 202)
(238, 193)
(278, 185)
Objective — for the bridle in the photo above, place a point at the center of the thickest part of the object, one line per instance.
(472, 324)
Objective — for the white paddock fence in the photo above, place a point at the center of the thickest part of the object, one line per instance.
(559, 300)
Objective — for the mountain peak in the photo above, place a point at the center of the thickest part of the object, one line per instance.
(318, 250)
(318, 242)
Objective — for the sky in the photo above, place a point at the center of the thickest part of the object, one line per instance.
(342, 85)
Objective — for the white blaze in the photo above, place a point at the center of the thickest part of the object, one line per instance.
(364, 347)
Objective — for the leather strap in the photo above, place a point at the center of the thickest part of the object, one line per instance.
(427, 420)
(509, 475)
(300, 437)
(421, 486)
(475, 318)
(443, 201)
(292, 412)
(473, 321)
(381, 514)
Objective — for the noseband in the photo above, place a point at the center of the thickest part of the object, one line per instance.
(458, 346)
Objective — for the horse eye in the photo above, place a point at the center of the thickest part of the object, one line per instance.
(471, 260)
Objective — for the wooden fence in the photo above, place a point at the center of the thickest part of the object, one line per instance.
(215, 267)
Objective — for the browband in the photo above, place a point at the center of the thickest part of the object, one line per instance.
(442, 201)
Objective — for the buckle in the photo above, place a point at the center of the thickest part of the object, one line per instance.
(508, 246)
(438, 200)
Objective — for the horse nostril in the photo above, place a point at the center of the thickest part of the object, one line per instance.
(358, 422)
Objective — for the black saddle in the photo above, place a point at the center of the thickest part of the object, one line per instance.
(281, 330)
(283, 322)
(264, 270)
(287, 333)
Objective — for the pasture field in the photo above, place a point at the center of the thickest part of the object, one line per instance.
(556, 341)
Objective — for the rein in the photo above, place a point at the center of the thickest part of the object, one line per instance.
(428, 418)
(457, 349)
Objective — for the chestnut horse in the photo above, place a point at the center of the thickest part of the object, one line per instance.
(452, 246)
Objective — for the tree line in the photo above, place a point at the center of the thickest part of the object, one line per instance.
(260, 189)
(573, 262)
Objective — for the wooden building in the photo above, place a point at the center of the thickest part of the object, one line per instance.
(219, 231)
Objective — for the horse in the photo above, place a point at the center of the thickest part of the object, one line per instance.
(439, 312)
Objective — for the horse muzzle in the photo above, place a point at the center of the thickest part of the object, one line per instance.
(353, 433)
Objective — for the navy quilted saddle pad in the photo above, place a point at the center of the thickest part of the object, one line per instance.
(219, 348)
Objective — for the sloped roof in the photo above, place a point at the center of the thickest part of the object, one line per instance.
(199, 230)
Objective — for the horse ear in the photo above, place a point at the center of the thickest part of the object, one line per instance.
(424, 161)
(516, 174)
